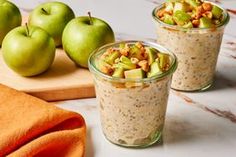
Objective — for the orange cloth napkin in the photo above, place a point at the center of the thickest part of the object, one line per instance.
(32, 127)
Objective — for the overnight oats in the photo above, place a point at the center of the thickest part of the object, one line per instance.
(132, 81)
(193, 30)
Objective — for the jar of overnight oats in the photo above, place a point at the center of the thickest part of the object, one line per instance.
(132, 111)
(197, 49)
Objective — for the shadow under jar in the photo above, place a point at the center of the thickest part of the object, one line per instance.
(197, 51)
(132, 111)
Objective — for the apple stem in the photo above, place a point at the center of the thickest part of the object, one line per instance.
(90, 18)
(27, 29)
(44, 11)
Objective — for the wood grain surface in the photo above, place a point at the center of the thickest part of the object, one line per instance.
(64, 80)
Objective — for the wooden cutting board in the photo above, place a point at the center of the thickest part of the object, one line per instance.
(63, 81)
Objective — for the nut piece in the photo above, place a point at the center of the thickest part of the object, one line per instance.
(139, 45)
(208, 14)
(162, 18)
(107, 69)
(125, 51)
(207, 6)
(142, 49)
(160, 13)
(195, 23)
(134, 60)
(144, 65)
(200, 9)
(107, 53)
(199, 12)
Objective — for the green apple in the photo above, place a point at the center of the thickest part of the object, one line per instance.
(29, 50)
(83, 35)
(10, 17)
(52, 17)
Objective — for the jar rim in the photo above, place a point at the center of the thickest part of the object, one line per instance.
(176, 27)
(99, 51)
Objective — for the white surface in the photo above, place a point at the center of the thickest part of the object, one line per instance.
(191, 129)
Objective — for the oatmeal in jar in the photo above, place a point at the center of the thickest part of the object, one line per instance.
(193, 30)
(132, 82)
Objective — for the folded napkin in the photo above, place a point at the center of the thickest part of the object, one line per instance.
(32, 127)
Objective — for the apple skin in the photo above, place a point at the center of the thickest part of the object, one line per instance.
(54, 20)
(10, 17)
(80, 38)
(28, 55)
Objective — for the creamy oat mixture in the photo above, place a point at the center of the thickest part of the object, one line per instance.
(191, 30)
(132, 101)
(132, 116)
(197, 55)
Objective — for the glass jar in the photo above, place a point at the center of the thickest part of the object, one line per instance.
(132, 111)
(197, 51)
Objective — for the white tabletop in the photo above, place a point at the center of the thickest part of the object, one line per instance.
(197, 124)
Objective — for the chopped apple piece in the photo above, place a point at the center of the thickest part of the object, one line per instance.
(181, 6)
(205, 23)
(155, 70)
(181, 17)
(124, 59)
(216, 11)
(119, 72)
(127, 66)
(133, 50)
(137, 53)
(164, 60)
(188, 25)
(110, 59)
(126, 63)
(168, 19)
(152, 54)
(135, 73)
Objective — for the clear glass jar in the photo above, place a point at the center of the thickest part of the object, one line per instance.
(132, 111)
(197, 51)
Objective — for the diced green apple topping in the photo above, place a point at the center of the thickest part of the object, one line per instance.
(134, 61)
(110, 59)
(155, 69)
(118, 72)
(163, 58)
(190, 14)
(181, 6)
(126, 63)
(181, 17)
(169, 19)
(205, 23)
(152, 54)
(135, 73)
(216, 11)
